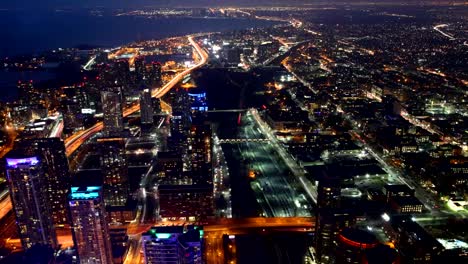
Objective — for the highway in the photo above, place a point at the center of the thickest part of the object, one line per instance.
(5, 204)
(73, 142)
(438, 27)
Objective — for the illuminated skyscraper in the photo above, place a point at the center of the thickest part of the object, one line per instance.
(52, 153)
(200, 154)
(42, 138)
(114, 170)
(140, 68)
(90, 230)
(28, 191)
(112, 110)
(146, 107)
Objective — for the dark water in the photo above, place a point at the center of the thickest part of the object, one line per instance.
(25, 32)
(8, 81)
(29, 32)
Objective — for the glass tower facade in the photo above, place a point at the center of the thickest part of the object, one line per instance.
(90, 230)
(28, 191)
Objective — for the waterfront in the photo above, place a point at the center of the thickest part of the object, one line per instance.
(27, 32)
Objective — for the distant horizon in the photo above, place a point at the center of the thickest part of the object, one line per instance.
(117, 4)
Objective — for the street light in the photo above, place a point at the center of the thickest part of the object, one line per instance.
(386, 217)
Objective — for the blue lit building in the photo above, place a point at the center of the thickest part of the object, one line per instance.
(173, 245)
(28, 190)
(90, 230)
(198, 102)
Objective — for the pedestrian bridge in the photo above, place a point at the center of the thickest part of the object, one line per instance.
(242, 140)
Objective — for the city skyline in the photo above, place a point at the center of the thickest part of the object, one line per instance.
(192, 3)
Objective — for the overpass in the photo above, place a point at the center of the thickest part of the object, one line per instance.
(215, 233)
(237, 226)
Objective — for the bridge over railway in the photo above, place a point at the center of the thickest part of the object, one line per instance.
(242, 140)
(215, 233)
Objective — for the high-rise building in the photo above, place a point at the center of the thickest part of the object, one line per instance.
(173, 245)
(329, 193)
(114, 170)
(140, 68)
(90, 230)
(146, 107)
(200, 154)
(42, 138)
(28, 190)
(121, 71)
(51, 152)
(112, 108)
(331, 217)
(180, 100)
(156, 72)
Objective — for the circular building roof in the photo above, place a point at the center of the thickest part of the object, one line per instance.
(358, 238)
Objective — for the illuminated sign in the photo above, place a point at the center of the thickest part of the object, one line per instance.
(88, 111)
(25, 161)
(163, 235)
(91, 192)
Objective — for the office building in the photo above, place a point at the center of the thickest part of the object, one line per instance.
(146, 107)
(28, 190)
(112, 107)
(173, 245)
(397, 190)
(114, 171)
(90, 230)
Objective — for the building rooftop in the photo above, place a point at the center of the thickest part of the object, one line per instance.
(406, 200)
(85, 193)
(398, 188)
(358, 238)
